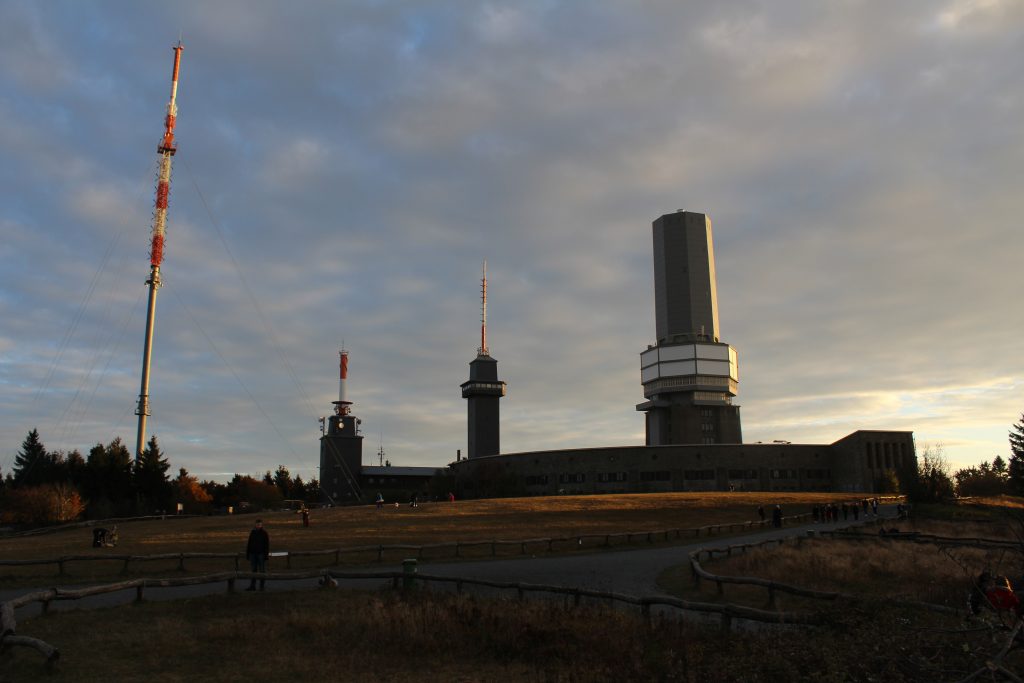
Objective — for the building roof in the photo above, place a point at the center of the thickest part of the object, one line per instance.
(378, 471)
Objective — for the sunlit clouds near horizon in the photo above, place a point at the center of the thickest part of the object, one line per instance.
(345, 168)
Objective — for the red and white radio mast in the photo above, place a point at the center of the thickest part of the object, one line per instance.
(166, 150)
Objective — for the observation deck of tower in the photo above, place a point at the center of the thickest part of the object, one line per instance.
(689, 376)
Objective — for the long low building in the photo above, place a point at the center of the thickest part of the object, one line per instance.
(864, 461)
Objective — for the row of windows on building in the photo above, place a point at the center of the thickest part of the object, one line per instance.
(885, 455)
(602, 477)
(689, 475)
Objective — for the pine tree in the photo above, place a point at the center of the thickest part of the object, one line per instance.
(151, 482)
(1016, 466)
(283, 480)
(32, 464)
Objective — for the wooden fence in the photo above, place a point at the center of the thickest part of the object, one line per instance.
(773, 587)
(453, 549)
(726, 611)
(405, 579)
(929, 539)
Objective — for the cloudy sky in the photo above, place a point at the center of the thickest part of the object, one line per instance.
(345, 168)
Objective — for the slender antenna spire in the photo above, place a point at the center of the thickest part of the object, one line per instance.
(483, 311)
(166, 150)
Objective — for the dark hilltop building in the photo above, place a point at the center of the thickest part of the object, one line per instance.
(693, 435)
(343, 477)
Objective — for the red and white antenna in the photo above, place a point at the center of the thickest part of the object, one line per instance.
(166, 150)
(483, 312)
(343, 403)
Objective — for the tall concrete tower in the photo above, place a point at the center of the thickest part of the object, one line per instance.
(482, 392)
(689, 376)
(341, 446)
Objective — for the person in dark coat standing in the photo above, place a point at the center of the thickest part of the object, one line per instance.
(777, 517)
(257, 550)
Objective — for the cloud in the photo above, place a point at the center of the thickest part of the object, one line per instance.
(344, 170)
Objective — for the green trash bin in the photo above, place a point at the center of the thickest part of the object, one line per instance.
(409, 571)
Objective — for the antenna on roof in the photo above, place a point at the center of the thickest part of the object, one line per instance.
(483, 311)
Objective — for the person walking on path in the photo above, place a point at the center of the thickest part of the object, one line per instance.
(777, 517)
(760, 512)
(380, 500)
(257, 550)
(305, 515)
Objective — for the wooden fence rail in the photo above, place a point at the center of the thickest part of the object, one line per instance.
(772, 587)
(726, 611)
(929, 539)
(455, 548)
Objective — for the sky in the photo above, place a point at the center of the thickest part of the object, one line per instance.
(345, 167)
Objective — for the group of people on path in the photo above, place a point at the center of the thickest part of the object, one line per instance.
(830, 512)
(776, 515)
(844, 511)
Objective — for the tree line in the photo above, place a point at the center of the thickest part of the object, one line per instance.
(55, 486)
(936, 481)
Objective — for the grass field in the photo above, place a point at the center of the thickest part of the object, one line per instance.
(506, 519)
(390, 636)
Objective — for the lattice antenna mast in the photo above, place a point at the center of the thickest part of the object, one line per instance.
(483, 312)
(166, 150)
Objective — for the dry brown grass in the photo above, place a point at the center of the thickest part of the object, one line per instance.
(1011, 502)
(512, 519)
(342, 635)
(876, 567)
